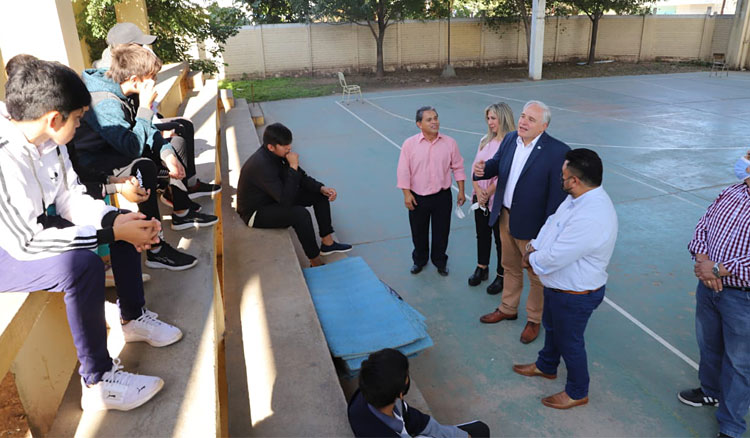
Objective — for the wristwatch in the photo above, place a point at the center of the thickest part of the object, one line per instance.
(715, 270)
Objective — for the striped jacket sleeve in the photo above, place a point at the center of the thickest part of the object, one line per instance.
(21, 234)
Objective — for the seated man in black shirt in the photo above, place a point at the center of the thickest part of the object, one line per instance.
(273, 192)
(378, 409)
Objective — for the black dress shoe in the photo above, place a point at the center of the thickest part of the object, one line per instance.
(416, 269)
(496, 286)
(479, 275)
(443, 271)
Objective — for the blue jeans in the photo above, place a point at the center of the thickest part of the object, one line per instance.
(722, 326)
(564, 319)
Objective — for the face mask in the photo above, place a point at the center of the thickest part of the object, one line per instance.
(741, 169)
(460, 212)
(562, 184)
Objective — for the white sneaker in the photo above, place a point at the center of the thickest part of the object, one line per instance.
(119, 390)
(109, 277)
(147, 328)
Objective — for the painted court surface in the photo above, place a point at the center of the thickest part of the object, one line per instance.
(668, 142)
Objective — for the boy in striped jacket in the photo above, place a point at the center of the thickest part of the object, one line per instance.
(49, 227)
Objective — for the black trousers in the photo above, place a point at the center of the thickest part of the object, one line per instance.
(149, 172)
(297, 217)
(435, 208)
(476, 429)
(183, 142)
(484, 238)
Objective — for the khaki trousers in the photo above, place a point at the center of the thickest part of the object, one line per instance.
(513, 250)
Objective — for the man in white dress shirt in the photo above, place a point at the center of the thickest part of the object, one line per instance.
(570, 255)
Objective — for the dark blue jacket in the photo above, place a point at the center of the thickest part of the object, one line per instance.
(365, 424)
(538, 192)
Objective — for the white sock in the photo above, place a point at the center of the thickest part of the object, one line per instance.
(181, 214)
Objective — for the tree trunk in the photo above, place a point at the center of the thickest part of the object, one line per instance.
(382, 25)
(379, 68)
(594, 32)
(521, 5)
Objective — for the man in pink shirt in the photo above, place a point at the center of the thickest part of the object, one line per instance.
(424, 174)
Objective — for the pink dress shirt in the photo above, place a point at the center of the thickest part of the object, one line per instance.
(425, 167)
(489, 151)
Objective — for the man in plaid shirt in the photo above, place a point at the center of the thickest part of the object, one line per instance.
(721, 249)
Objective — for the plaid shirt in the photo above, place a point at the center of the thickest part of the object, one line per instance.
(723, 233)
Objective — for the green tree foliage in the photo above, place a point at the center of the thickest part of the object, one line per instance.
(497, 14)
(279, 11)
(378, 15)
(176, 23)
(594, 9)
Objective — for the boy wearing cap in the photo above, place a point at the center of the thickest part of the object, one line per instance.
(117, 138)
(178, 130)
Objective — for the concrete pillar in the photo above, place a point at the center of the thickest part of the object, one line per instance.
(3, 78)
(737, 52)
(53, 35)
(133, 11)
(536, 54)
(78, 6)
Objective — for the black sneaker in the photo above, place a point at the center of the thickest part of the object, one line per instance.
(166, 199)
(203, 189)
(170, 258)
(193, 219)
(696, 397)
(336, 247)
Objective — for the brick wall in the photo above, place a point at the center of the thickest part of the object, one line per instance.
(280, 49)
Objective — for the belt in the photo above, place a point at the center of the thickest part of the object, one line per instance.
(743, 289)
(575, 292)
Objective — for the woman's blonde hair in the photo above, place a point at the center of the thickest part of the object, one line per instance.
(507, 122)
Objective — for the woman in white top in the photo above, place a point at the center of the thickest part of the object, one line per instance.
(500, 121)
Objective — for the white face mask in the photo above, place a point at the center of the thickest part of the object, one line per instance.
(742, 168)
(460, 213)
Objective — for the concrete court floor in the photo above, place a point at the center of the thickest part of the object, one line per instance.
(668, 142)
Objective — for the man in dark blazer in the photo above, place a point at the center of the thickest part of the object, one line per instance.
(528, 165)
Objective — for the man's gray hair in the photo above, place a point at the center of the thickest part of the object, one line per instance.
(422, 110)
(546, 115)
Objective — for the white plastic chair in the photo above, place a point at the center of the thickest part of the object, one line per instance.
(718, 64)
(347, 90)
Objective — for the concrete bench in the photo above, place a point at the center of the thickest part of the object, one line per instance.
(172, 86)
(189, 404)
(281, 375)
(37, 348)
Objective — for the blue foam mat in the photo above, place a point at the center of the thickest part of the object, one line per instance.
(359, 314)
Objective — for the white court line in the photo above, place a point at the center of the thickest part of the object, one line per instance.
(398, 116)
(453, 186)
(664, 128)
(651, 333)
(390, 96)
(622, 311)
(522, 101)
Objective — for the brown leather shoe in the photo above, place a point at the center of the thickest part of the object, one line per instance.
(530, 370)
(561, 400)
(496, 316)
(530, 332)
